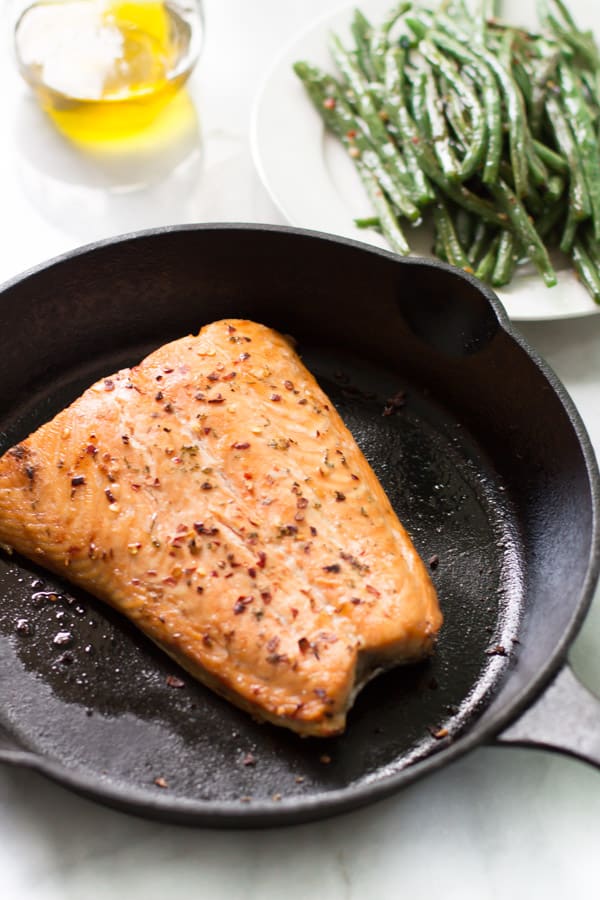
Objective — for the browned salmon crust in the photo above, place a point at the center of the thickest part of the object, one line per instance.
(214, 496)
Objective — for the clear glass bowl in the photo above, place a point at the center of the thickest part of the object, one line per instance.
(106, 68)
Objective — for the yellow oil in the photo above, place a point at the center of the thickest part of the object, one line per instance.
(105, 70)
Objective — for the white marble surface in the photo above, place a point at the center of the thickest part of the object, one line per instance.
(500, 823)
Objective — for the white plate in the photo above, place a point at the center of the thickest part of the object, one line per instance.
(314, 184)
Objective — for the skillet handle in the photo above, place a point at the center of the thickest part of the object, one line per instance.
(566, 718)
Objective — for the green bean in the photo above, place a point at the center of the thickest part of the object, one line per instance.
(480, 239)
(542, 72)
(553, 160)
(555, 188)
(549, 218)
(423, 115)
(379, 42)
(568, 235)
(506, 260)
(394, 107)
(408, 131)
(461, 90)
(524, 230)
(387, 150)
(463, 225)
(368, 222)
(362, 30)
(488, 262)
(389, 224)
(355, 79)
(587, 271)
(339, 117)
(578, 191)
(455, 253)
(585, 136)
(437, 129)
(517, 122)
(478, 71)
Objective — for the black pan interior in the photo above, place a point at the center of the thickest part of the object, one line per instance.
(83, 689)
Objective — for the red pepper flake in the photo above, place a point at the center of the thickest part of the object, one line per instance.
(334, 568)
(303, 402)
(159, 395)
(213, 376)
(439, 733)
(229, 377)
(110, 496)
(339, 497)
(299, 517)
(206, 486)
(125, 438)
(252, 572)
(160, 782)
(201, 528)
(207, 430)
(266, 597)
(218, 399)
(240, 445)
(288, 385)
(313, 531)
(372, 590)
(168, 407)
(329, 103)
(394, 403)
(91, 450)
(434, 562)
(109, 384)
(174, 682)
(356, 601)
(77, 480)
(275, 398)
(262, 559)
(207, 640)
(498, 650)
(249, 760)
(302, 503)
(304, 645)
(294, 612)
(167, 370)
(241, 603)
(199, 396)
(354, 477)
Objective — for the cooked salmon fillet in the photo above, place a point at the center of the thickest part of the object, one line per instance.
(214, 496)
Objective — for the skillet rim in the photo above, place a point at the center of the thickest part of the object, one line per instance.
(301, 808)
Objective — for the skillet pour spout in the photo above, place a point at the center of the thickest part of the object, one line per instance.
(477, 444)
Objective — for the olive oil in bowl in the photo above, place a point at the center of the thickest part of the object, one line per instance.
(104, 69)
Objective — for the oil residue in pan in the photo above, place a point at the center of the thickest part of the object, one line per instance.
(83, 687)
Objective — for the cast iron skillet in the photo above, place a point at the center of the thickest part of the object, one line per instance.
(487, 464)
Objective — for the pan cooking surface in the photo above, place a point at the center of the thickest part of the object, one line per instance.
(81, 686)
